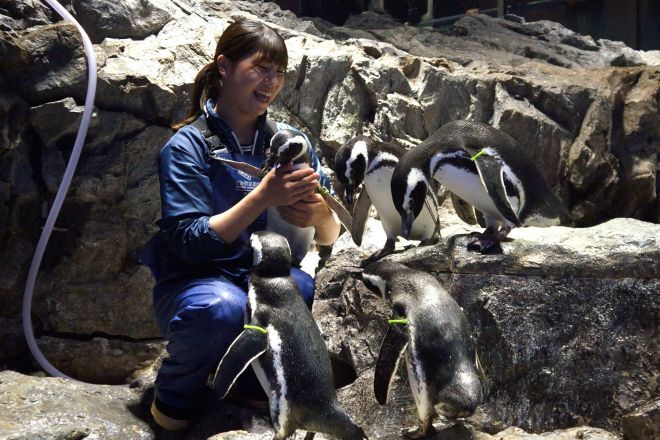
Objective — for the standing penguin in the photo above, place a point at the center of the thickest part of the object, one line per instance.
(285, 348)
(430, 329)
(484, 167)
(363, 160)
(290, 146)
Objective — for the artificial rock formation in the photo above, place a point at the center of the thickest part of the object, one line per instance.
(588, 110)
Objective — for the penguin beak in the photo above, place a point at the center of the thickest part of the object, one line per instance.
(406, 226)
(348, 194)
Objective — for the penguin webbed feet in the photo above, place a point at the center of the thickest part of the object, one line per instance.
(422, 431)
(432, 241)
(488, 242)
(385, 251)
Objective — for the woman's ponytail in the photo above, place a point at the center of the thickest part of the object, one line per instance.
(206, 84)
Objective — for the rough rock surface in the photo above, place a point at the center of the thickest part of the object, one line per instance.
(562, 344)
(568, 312)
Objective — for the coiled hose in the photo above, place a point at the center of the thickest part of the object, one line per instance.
(61, 193)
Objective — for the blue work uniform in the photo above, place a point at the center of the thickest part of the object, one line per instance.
(201, 280)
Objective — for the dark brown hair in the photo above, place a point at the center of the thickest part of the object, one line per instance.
(241, 39)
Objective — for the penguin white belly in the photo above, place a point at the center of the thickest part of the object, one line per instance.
(468, 187)
(377, 185)
(300, 239)
(417, 380)
(274, 386)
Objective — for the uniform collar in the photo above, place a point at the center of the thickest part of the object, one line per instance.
(220, 127)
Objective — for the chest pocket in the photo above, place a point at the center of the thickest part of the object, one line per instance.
(231, 185)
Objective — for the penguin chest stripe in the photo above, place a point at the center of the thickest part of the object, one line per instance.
(417, 378)
(279, 404)
(382, 160)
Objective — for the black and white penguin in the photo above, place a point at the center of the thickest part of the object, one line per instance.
(363, 160)
(484, 167)
(429, 329)
(290, 146)
(285, 348)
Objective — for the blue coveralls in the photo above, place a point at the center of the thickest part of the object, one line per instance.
(201, 281)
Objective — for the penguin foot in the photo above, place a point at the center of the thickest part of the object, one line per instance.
(484, 244)
(376, 256)
(417, 433)
(430, 241)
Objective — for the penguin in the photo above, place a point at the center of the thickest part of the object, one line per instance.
(284, 346)
(483, 167)
(363, 160)
(290, 146)
(428, 328)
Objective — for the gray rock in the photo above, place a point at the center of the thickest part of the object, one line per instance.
(48, 408)
(136, 19)
(644, 422)
(594, 128)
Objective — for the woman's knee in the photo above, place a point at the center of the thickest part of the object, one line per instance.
(305, 284)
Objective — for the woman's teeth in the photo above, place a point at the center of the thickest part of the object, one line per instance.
(262, 97)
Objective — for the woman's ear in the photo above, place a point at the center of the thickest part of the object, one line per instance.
(222, 64)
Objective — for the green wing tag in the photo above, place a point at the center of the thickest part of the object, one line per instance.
(323, 190)
(397, 321)
(255, 327)
(476, 156)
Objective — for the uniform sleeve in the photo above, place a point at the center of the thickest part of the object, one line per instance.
(187, 200)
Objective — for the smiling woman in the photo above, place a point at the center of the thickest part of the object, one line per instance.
(201, 257)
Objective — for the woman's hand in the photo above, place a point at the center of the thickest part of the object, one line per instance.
(283, 187)
(313, 211)
(309, 211)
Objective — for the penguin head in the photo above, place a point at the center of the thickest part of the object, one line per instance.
(351, 165)
(409, 189)
(286, 146)
(271, 255)
(377, 276)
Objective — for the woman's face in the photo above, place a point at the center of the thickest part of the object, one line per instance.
(250, 84)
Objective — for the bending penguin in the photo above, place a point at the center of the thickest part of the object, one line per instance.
(290, 146)
(429, 329)
(285, 348)
(365, 161)
(484, 167)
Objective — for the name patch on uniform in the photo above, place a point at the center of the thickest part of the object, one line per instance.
(244, 175)
(246, 186)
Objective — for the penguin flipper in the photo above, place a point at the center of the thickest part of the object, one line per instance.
(391, 349)
(464, 210)
(360, 216)
(248, 346)
(492, 178)
(339, 209)
(245, 167)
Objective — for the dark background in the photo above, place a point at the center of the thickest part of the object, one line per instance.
(635, 22)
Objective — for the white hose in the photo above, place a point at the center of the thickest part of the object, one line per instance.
(61, 193)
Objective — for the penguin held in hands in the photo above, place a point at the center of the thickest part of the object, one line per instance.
(364, 161)
(484, 167)
(284, 346)
(427, 328)
(289, 146)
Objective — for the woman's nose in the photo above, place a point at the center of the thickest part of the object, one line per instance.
(270, 75)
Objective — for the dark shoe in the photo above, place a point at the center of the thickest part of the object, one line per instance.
(166, 420)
